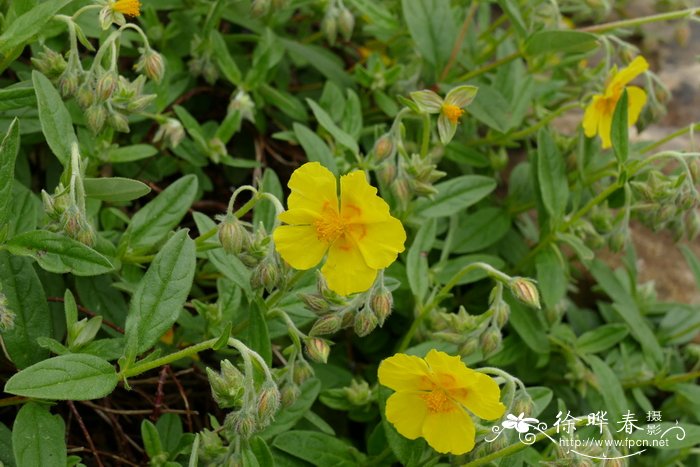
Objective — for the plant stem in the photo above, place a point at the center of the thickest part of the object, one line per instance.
(626, 23)
(460, 39)
(489, 67)
(425, 143)
(184, 353)
(666, 139)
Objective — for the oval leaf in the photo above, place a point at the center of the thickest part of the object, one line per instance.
(115, 188)
(455, 195)
(38, 438)
(55, 120)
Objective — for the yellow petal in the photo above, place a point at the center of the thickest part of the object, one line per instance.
(638, 66)
(592, 116)
(446, 128)
(636, 98)
(451, 432)
(313, 188)
(403, 372)
(482, 397)
(450, 370)
(346, 271)
(407, 412)
(605, 126)
(359, 202)
(299, 246)
(299, 216)
(379, 243)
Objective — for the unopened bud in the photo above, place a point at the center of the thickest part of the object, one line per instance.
(259, 7)
(499, 159)
(346, 23)
(151, 64)
(171, 133)
(302, 371)
(140, 103)
(217, 150)
(522, 404)
(525, 290)
(329, 25)
(71, 221)
(317, 349)
(694, 168)
(501, 313)
(359, 393)
(233, 235)
(328, 324)
(365, 322)
(387, 173)
(106, 85)
(491, 341)
(49, 205)
(226, 387)
(617, 241)
(210, 72)
(266, 275)
(96, 115)
(682, 34)
(381, 302)
(85, 96)
(49, 62)
(469, 346)
(268, 402)
(423, 188)
(119, 122)
(289, 394)
(243, 104)
(384, 147)
(314, 302)
(243, 423)
(402, 191)
(86, 234)
(68, 83)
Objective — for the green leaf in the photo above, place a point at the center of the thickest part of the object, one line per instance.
(258, 334)
(410, 453)
(265, 211)
(455, 195)
(551, 174)
(552, 277)
(528, 324)
(568, 41)
(319, 448)
(287, 103)
(231, 267)
(6, 456)
(619, 132)
(327, 63)
(151, 438)
(512, 10)
(226, 63)
(151, 223)
(432, 27)
(601, 338)
(170, 432)
(492, 108)
(59, 254)
(25, 297)
(584, 253)
(481, 229)
(115, 189)
(38, 438)
(26, 211)
(56, 122)
(676, 439)
(8, 153)
(455, 265)
(417, 259)
(288, 417)
(131, 153)
(24, 28)
(608, 384)
(17, 96)
(315, 148)
(262, 452)
(162, 292)
(326, 122)
(66, 377)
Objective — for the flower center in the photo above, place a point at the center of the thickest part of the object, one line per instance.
(438, 401)
(452, 112)
(127, 7)
(330, 226)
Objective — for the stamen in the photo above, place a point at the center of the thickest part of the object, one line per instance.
(452, 112)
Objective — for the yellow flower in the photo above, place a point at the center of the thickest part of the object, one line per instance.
(432, 398)
(127, 7)
(599, 113)
(450, 109)
(357, 230)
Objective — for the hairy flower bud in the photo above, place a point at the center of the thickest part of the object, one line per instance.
(49, 62)
(501, 313)
(151, 64)
(384, 147)
(317, 349)
(314, 302)
(328, 324)
(491, 341)
(68, 83)
(381, 302)
(171, 133)
(525, 290)
(233, 235)
(289, 394)
(387, 173)
(85, 96)
(243, 423)
(96, 115)
(226, 387)
(302, 371)
(365, 322)
(329, 25)
(268, 403)
(346, 23)
(266, 274)
(106, 85)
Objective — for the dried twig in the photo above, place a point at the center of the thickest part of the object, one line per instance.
(85, 431)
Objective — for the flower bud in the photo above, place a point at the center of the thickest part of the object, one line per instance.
(85, 96)
(694, 168)
(217, 150)
(617, 241)
(501, 313)
(387, 173)
(268, 403)
(49, 62)
(329, 25)
(423, 188)
(302, 371)
(525, 290)
(96, 115)
(227, 387)
(365, 322)
(469, 346)
(151, 64)
(140, 103)
(381, 302)
(243, 423)
(71, 221)
(682, 34)
(402, 191)
(314, 302)
(210, 72)
(289, 394)
(328, 324)
(68, 83)
(491, 341)
(171, 133)
(359, 393)
(317, 349)
(49, 205)
(259, 7)
(266, 274)
(522, 404)
(384, 147)
(346, 23)
(106, 85)
(242, 103)
(233, 235)
(86, 234)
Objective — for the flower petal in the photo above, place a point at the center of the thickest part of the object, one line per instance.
(605, 127)
(299, 246)
(403, 372)
(451, 432)
(359, 202)
(592, 116)
(636, 98)
(638, 66)
(299, 216)
(446, 129)
(461, 96)
(380, 243)
(450, 371)
(407, 412)
(313, 188)
(346, 271)
(427, 100)
(482, 397)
